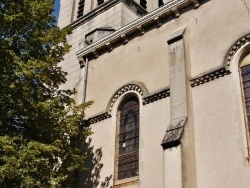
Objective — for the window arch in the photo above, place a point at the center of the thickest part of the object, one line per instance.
(127, 155)
(244, 67)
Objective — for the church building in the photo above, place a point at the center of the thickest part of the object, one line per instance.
(170, 81)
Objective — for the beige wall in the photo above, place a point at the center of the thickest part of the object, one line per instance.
(219, 136)
(115, 18)
(150, 151)
(125, 64)
(65, 13)
(213, 144)
(77, 39)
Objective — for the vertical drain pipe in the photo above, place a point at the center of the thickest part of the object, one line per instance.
(84, 91)
(85, 80)
(171, 143)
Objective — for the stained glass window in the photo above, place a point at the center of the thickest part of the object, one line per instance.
(245, 78)
(128, 139)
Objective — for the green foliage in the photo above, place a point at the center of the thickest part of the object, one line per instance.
(38, 120)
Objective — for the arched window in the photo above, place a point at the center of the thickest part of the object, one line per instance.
(245, 83)
(128, 139)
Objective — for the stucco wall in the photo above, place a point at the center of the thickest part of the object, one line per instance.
(150, 151)
(131, 62)
(213, 145)
(219, 136)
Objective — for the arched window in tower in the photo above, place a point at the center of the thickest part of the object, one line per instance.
(80, 8)
(128, 139)
(143, 3)
(245, 80)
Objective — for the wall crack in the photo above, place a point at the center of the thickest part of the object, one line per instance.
(246, 6)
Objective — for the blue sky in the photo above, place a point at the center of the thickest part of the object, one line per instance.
(56, 8)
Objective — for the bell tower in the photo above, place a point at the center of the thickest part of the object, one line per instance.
(121, 12)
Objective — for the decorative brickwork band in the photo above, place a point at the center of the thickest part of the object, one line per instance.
(121, 91)
(97, 118)
(209, 77)
(138, 88)
(157, 96)
(237, 45)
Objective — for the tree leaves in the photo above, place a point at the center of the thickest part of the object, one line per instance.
(38, 121)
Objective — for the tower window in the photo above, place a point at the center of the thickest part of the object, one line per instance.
(80, 8)
(245, 78)
(128, 139)
(143, 3)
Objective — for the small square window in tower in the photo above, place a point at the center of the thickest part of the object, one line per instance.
(128, 139)
(80, 8)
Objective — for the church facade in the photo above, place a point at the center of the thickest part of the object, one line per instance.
(170, 81)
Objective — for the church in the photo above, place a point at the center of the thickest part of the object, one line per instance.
(170, 81)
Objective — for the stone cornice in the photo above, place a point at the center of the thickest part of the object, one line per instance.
(136, 26)
(207, 77)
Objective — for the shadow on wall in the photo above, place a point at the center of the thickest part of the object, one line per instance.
(90, 178)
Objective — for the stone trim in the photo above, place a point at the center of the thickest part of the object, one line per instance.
(237, 45)
(209, 76)
(153, 17)
(156, 96)
(173, 133)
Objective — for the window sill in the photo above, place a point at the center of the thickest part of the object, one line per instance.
(126, 182)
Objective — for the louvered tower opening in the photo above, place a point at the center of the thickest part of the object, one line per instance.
(80, 8)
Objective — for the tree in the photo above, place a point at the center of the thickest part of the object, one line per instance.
(39, 122)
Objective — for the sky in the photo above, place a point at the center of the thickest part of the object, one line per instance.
(56, 8)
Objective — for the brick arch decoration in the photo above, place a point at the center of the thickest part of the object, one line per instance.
(236, 46)
(139, 88)
(135, 87)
